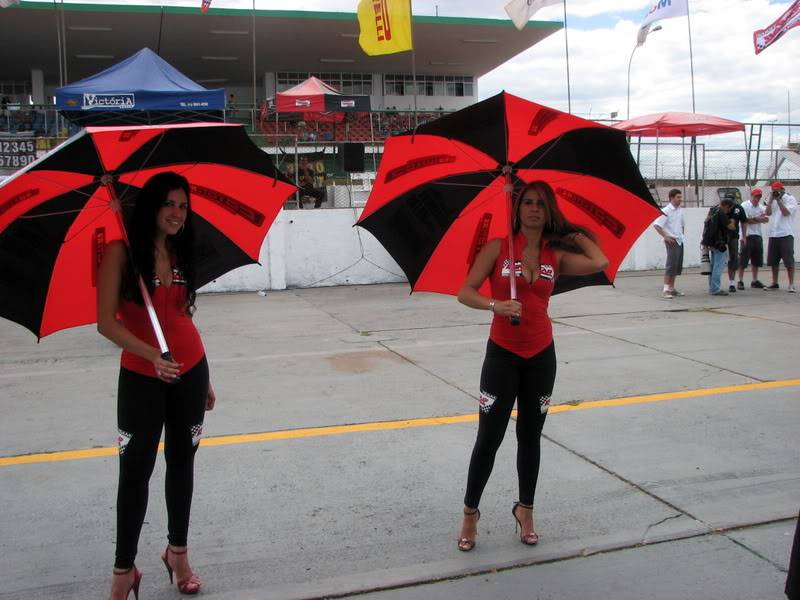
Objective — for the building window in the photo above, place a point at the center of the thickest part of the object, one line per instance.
(428, 85)
(346, 83)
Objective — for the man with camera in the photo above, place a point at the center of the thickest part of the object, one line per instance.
(738, 217)
(716, 231)
(781, 208)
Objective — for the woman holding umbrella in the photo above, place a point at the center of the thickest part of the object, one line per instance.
(520, 362)
(155, 390)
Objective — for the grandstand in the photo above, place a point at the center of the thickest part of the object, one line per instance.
(49, 44)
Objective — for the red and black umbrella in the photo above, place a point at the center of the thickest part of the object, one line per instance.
(57, 215)
(444, 189)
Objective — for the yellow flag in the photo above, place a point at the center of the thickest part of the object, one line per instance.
(385, 26)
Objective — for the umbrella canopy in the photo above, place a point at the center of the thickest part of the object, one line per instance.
(678, 124)
(56, 216)
(439, 192)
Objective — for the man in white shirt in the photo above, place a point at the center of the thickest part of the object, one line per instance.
(752, 239)
(781, 208)
(670, 226)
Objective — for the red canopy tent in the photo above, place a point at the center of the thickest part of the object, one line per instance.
(682, 125)
(678, 124)
(314, 97)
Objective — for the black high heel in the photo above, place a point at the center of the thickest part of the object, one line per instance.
(137, 579)
(466, 544)
(530, 539)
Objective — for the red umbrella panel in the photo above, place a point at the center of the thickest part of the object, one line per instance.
(57, 215)
(440, 192)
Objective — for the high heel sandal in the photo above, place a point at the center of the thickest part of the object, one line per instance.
(529, 539)
(465, 544)
(189, 585)
(137, 579)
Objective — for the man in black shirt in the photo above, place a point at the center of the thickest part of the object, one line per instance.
(737, 215)
(716, 232)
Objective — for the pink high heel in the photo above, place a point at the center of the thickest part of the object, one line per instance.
(529, 539)
(137, 579)
(190, 585)
(466, 544)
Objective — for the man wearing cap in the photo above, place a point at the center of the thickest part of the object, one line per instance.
(670, 226)
(781, 208)
(752, 239)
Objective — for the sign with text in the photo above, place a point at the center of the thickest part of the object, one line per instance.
(17, 153)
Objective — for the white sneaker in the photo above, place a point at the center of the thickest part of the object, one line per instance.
(791, 289)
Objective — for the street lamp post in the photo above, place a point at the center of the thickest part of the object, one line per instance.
(630, 61)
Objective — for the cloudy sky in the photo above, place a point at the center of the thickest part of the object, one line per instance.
(730, 80)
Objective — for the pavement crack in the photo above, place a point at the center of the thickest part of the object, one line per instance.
(659, 350)
(657, 523)
(428, 371)
(627, 481)
(754, 317)
(428, 327)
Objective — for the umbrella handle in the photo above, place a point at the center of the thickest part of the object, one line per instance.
(151, 312)
(168, 356)
(508, 188)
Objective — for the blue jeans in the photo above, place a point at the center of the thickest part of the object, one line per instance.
(719, 260)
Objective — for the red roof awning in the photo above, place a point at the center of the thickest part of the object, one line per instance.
(678, 124)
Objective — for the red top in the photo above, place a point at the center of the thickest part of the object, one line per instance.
(534, 332)
(182, 336)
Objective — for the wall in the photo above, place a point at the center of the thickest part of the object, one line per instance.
(311, 248)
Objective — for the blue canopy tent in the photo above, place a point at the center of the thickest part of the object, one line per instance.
(143, 89)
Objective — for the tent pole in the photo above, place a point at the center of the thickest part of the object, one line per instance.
(253, 112)
(372, 141)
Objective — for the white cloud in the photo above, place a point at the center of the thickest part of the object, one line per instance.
(730, 80)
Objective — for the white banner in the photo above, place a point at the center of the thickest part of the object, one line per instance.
(662, 9)
(521, 11)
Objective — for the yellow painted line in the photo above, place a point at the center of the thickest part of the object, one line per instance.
(293, 434)
(728, 389)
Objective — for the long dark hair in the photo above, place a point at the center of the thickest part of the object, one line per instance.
(557, 226)
(142, 233)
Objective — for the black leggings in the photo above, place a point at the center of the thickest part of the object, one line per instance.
(507, 377)
(144, 406)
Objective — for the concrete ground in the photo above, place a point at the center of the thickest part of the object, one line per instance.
(335, 461)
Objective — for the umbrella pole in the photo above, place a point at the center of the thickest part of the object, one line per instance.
(508, 188)
(148, 302)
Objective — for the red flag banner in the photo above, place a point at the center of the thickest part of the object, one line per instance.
(205, 6)
(764, 38)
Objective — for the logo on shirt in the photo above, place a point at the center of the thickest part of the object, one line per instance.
(547, 272)
(504, 271)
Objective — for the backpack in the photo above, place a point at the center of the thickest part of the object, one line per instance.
(712, 237)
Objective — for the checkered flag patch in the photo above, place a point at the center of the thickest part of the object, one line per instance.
(123, 439)
(197, 433)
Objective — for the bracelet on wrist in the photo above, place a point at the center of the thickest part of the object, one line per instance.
(491, 304)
